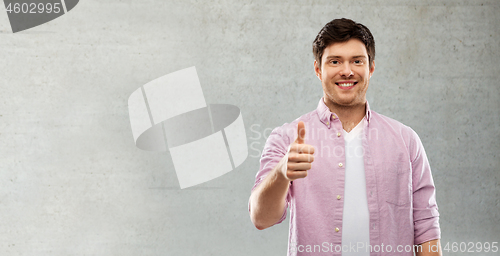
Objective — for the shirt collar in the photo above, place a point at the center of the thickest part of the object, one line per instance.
(325, 115)
(368, 112)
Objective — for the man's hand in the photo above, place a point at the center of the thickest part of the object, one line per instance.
(269, 197)
(300, 156)
(430, 248)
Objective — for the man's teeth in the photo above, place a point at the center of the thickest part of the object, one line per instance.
(346, 84)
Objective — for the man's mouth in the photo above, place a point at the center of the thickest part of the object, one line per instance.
(346, 85)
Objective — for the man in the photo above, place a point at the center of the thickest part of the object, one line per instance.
(356, 182)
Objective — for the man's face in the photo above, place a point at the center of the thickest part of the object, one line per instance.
(344, 73)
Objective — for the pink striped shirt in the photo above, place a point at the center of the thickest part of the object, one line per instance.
(399, 186)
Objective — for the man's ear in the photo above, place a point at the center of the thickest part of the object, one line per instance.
(317, 70)
(372, 68)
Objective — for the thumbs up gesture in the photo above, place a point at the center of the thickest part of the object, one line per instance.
(300, 156)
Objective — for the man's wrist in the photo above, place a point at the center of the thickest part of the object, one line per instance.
(281, 169)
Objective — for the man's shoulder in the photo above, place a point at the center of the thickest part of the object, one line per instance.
(306, 118)
(388, 124)
(289, 130)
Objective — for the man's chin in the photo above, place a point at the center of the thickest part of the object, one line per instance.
(347, 103)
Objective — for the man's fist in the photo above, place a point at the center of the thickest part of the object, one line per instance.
(299, 157)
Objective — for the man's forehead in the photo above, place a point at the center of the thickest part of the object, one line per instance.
(351, 48)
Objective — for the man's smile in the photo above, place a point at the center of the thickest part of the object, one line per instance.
(345, 85)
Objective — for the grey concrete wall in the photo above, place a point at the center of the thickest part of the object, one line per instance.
(72, 181)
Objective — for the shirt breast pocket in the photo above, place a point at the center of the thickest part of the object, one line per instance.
(396, 182)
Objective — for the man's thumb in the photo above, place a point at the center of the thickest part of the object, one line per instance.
(301, 133)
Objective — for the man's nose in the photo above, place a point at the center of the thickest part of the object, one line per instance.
(346, 70)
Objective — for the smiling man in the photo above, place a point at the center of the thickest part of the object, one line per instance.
(356, 182)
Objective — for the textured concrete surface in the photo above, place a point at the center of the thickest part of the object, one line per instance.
(72, 181)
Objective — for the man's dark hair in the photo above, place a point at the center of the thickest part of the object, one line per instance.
(342, 30)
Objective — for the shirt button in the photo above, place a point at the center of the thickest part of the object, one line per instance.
(338, 197)
(333, 117)
(338, 134)
(327, 123)
(337, 229)
(341, 164)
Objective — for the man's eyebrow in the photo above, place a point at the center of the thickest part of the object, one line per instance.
(340, 57)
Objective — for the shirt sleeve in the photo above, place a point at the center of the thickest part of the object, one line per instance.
(275, 149)
(425, 209)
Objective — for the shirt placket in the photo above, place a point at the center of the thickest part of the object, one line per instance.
(338, 166)
(371, 189)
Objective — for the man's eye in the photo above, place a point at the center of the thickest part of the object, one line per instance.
(358, 62)
(335, 62)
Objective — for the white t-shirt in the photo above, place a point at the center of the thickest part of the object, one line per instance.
(356, 217)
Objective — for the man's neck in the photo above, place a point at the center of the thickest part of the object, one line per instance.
(349, 116)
